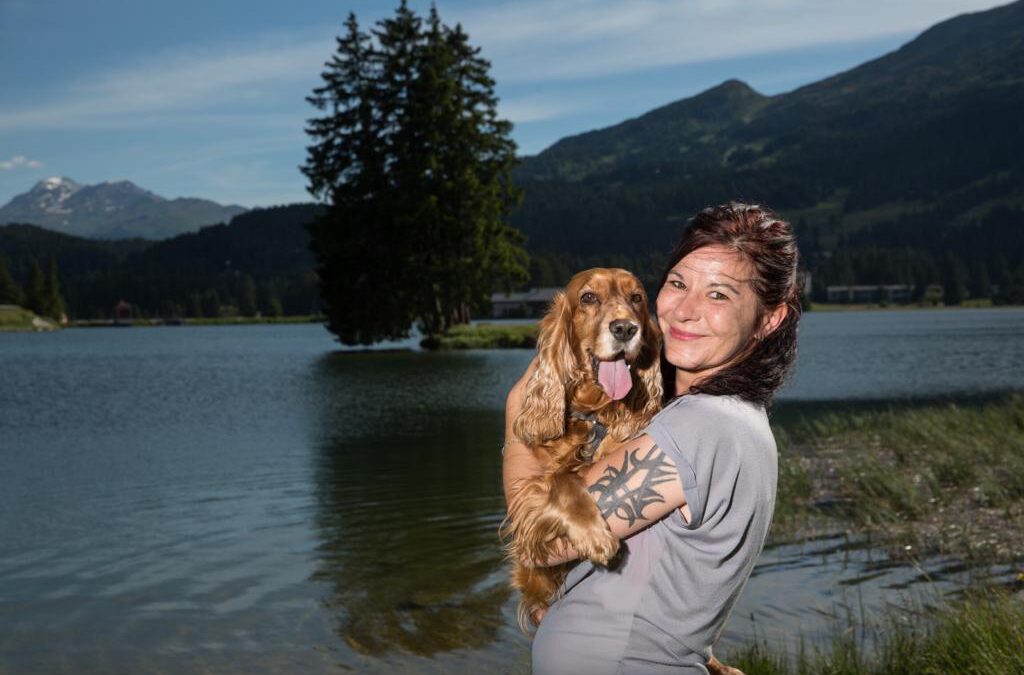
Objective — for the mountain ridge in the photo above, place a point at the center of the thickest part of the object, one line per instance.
(925, 124)
(111, 210)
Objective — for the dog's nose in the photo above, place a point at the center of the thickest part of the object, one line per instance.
(623, 329)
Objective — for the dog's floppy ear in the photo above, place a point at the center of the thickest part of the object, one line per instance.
(650, 370)
(543, 415)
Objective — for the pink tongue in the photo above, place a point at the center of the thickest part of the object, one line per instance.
(614, 378)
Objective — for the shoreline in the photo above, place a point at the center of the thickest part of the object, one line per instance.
(175, 322)
(485, 333)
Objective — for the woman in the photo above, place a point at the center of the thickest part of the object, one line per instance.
(692, 497)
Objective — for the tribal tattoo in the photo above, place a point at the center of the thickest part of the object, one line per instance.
(614, 494)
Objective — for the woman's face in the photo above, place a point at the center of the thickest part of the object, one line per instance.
(707, 311)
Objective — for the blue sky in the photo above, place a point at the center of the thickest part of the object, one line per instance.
(206, 99)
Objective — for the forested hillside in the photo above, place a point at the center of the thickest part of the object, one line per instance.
(908, 169)
(931, 132)
(259, 262)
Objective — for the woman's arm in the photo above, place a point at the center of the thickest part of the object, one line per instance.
(634, 484)
(518, 461)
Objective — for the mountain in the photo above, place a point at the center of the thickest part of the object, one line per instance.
(116, 210)
(932, 130)
(263, 252)
(908, 169)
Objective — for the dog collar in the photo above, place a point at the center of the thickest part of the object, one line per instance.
(597, 433)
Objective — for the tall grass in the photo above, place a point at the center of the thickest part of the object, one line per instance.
(943, 478)
(982, 634)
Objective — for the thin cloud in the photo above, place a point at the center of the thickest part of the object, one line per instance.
(534, 41)
(20, 162)
(530, 41)
(522, 110)
(186, 80)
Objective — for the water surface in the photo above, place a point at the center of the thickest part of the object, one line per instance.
(252, 499)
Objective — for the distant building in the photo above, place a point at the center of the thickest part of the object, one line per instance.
(123, 314)
(527, 304)
(879, 293)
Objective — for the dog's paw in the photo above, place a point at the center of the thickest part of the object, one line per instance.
(716, 667)
(596, 543)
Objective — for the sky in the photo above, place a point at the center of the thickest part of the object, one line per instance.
(207, 98)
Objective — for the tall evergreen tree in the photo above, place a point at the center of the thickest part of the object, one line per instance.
(35, 291)
(980, 282)
(10, 292)
(247, 296)
(415, 166)
(954, 280)
(54, 306)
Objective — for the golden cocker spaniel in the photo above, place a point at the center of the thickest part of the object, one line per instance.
(598, 376)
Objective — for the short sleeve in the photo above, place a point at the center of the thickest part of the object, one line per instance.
(664, 430)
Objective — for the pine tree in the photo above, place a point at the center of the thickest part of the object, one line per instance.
(346, 168)
(10, 292)
(54, 306)
(210, 302)
(35, 292)
(247, 296)
(954, 280)
(980, 282)
(415, 166)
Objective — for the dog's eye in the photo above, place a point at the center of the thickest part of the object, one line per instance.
(636, 298)
(588, 298)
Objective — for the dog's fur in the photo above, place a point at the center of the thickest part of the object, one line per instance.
(575, 335)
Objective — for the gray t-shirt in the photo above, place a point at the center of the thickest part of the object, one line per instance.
(666, 604)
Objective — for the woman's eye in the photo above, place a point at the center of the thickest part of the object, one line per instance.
(588, 298)
(636, 298)
(679, 285)
(715, 295)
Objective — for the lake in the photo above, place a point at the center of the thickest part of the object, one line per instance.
(254, 499)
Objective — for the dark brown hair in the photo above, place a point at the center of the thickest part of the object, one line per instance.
(768, 243)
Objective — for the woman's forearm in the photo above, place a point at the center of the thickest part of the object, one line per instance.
(520, 464)
(518, 461)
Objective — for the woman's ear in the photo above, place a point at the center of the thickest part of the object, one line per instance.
(772, 320)
(542, 417)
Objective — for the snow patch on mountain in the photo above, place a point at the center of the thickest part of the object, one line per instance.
(111, 210)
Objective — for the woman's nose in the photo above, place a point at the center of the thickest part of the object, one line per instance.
(688, 307)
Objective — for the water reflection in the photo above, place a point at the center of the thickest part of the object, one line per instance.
(409, 503)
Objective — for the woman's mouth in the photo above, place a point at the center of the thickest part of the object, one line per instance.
(684, 335)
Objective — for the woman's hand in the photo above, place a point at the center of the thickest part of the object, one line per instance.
(519, 462)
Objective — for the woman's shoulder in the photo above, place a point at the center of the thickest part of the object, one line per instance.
(694, 407)
(708, 420)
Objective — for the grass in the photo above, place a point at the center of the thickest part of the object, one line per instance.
(490, 336)
(16, 319)
(980, 634)
(942, 478)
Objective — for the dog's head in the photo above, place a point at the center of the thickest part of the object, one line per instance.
(598, 345)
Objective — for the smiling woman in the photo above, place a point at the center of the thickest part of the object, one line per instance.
(730, 304)
(692, 496)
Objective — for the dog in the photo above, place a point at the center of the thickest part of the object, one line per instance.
(598, 379)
